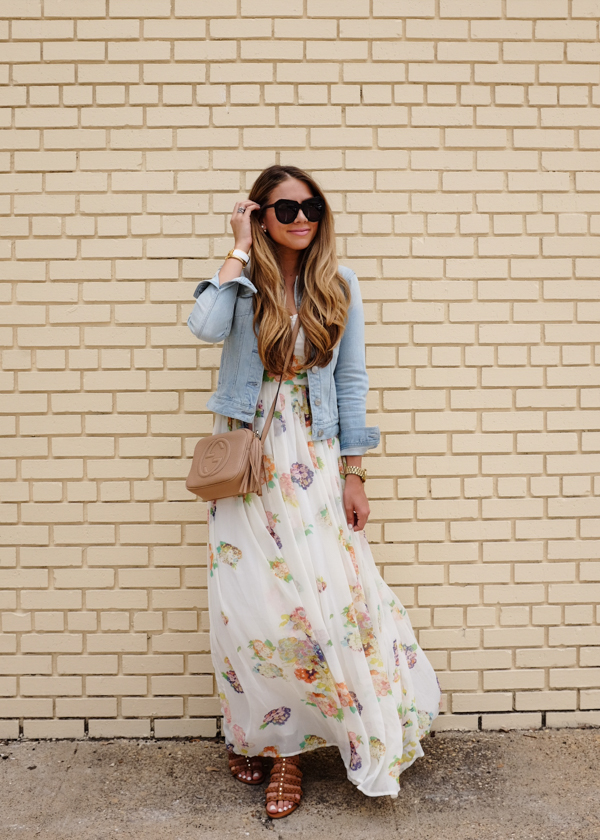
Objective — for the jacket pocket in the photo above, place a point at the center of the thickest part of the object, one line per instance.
(243, 306)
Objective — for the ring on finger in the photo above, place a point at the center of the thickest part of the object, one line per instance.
(241, 209)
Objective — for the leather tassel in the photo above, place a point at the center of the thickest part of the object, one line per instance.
(251, 481)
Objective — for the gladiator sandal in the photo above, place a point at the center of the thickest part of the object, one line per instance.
(239, 763)
(284, 785)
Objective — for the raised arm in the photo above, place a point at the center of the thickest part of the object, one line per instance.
(210, 319)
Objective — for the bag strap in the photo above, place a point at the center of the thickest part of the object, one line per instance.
(288, 359)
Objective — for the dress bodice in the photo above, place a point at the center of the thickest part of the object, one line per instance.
(299, 346)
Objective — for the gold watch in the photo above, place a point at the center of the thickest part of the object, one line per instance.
(360, 471)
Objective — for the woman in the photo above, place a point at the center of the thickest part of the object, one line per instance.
(311, 648)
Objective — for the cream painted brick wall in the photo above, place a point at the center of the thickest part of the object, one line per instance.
(459, 144)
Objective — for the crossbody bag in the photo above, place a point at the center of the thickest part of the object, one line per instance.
(231, 463)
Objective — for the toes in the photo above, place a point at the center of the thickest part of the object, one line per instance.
(279, 806)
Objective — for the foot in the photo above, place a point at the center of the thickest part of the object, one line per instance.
(284, 791)
(248, 769)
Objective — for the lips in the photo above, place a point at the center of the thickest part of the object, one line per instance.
(301, 232)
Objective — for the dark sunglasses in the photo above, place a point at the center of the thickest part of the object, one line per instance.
(286, 210)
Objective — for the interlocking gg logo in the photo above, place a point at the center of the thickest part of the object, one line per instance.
(215, 455)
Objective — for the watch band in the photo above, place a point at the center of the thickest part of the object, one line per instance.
(238, 254)
(359, 471)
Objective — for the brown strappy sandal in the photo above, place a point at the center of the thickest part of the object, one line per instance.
(237, 763)
(284, 785)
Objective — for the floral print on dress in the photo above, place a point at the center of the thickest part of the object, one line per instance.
(229, 554)
(225, 707)
(324, 652)
(381, 683)
(299, 621)
(325, 705)
(316, 460)
(376, 748)
(410, 651)
(240, 739)
(272, 520)
(270, 751)
(312, 742)
(287, 489)
(270, 472)
(425, 720)
(279, 417)
(323, 517)
(347, 543)
(355, 759)
(276, 716)
(356, 702)
(268, 670)
(262, 650)
(231, 677)
(281, 570)
(398, 610)
(301, 475)
(301, 408)
(307, 675)
(353, 641)
(345, 697)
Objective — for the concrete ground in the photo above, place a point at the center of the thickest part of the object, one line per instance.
(542, 784)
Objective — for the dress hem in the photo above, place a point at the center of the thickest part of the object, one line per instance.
(357, 785)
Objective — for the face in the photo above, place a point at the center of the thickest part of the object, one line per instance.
(300, 233)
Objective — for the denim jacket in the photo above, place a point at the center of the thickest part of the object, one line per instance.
(337, 392)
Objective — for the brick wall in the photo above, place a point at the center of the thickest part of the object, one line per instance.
(459, 143)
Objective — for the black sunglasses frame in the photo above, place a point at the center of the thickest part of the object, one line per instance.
(308, 205)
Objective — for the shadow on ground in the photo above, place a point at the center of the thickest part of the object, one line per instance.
(543, 785)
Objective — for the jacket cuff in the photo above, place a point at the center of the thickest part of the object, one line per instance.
(357, 441)
(214, 281)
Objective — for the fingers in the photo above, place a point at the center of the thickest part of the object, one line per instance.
(247, 205)
(356, 521)
(356, 507)
(349, 508)
(362, 516)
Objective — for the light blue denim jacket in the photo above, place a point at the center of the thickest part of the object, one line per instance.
(337, 392)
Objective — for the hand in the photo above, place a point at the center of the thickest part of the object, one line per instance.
(240, 224)
(356, 503)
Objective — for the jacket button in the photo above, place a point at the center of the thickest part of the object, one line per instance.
(320, 432)
(317, 402)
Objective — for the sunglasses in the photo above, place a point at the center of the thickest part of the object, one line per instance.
(286, 210)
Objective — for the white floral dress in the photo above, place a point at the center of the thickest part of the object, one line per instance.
(310, 646)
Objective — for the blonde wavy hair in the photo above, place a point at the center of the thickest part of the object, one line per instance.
(325, 293)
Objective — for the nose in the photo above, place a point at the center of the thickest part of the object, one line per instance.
(300, 217)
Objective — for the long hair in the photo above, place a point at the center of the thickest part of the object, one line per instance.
(325, 293)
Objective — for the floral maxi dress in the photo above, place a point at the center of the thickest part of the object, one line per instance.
(311, 648)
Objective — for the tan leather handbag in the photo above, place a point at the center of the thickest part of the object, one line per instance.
(231, 464)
